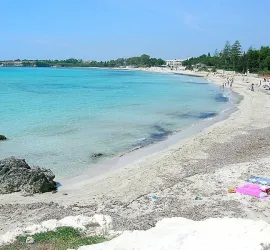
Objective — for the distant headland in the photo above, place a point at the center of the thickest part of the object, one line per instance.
(231, 57)
(139, 61)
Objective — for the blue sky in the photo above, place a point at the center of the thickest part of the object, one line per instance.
(108, 29)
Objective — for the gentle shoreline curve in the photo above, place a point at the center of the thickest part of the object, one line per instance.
(221, 156)
(140, 152)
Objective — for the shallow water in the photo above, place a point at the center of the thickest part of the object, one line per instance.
(57, 118)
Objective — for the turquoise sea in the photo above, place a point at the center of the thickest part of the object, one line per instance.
(57, 118)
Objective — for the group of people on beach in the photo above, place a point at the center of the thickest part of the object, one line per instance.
(228, 82)
(265, 85)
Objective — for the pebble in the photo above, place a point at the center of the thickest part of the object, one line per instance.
(76, 208)
(29, 240)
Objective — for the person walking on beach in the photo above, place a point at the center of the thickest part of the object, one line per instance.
(252, 87)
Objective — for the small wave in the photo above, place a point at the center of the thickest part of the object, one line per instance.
(225, 110)
(141, 139)
(197, 83)
(195, 115)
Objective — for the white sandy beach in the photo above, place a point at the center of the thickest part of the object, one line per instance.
(206, 164)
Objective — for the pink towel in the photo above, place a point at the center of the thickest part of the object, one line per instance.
(250, 189)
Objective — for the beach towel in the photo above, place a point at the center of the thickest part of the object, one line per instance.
(259, 180)
(251, 190)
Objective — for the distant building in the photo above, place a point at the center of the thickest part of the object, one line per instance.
(17, 63)
(174, 63)
(11, 64)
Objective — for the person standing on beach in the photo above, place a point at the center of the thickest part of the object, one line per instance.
(231, 82)
(222, 86)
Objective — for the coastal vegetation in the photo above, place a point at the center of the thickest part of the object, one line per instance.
(138, 61)
(233, 57)
(61, 239)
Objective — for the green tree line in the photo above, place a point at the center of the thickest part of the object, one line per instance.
(140, 61)
(233, 57)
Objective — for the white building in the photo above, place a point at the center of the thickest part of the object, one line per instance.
(174, 63)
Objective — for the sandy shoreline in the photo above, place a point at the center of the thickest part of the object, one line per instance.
(223, 155)
(130, 157)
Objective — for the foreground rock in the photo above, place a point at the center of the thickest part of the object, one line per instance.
(16, 175)
(184, 234)
(2, 138)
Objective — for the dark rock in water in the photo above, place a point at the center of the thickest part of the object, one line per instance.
(160, 135)
(16, 175)
(97, 155)
(205, 115)
(220, 98)
(2, 138)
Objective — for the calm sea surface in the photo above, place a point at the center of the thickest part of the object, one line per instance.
(57, 118)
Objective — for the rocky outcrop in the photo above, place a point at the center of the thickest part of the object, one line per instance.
(2, 138)
(16, 175)
(184, 234)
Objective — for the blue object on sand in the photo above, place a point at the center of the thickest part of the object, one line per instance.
(259, 180)
(263, 194)
(154, 197)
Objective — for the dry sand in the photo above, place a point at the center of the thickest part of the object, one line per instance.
(206, 164)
